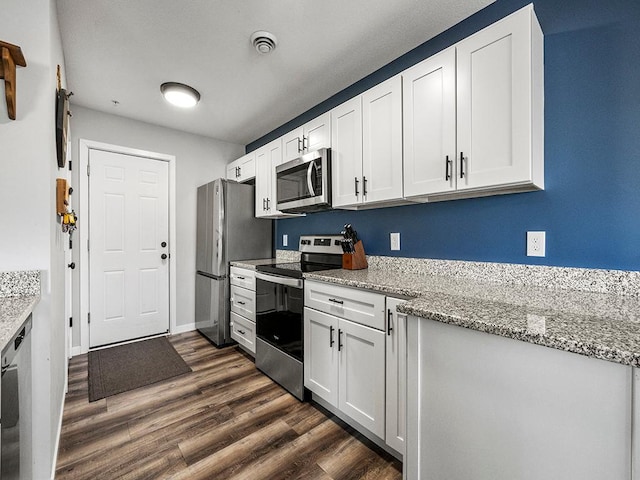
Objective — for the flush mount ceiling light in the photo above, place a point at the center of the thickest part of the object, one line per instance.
(179, 94)
(264, 42)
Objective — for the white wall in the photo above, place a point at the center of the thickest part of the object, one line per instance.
(30, 235)
(198, 160)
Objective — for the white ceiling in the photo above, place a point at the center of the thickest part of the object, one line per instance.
(124, 49)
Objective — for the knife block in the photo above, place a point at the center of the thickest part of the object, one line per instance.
(356, 260)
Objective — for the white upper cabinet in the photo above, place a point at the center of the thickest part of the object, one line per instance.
(500, 95)
(473, 114)
(382, 141)
(346, 152)
(366, 139)
(242, 169)
(429, 113)
(307, 138)
(268, 157)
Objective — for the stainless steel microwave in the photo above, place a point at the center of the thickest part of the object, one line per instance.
(304, 184)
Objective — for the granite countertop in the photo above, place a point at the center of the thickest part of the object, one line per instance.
(598, 325)
(13, 313)
(19, 294)
(251, 264)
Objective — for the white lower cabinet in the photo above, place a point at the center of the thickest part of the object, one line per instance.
(485, 407)
(242, 317)
(344, 365)
(396, 369)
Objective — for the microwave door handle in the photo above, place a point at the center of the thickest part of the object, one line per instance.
(312, 165)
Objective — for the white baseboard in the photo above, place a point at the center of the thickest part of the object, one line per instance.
(189, 327)
(75, 351)
(57, 442)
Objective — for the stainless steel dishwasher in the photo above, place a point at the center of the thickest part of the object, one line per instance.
(15, 419)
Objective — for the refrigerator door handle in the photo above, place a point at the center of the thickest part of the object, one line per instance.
(220, 228)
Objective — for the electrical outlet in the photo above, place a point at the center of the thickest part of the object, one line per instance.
(285, 240)
(395, 241)
(535, 244)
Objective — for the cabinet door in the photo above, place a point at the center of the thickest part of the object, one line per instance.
(382, 141)
(396, 368)
(346, 153)
(362, 375)
(246, 167)
(317, 133)
(321, 355)
(292, 145)
(275, 157)
(495, 94)
(232, 170)
(429, 125)
(263, 181)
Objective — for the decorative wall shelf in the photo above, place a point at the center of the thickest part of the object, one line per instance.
(11, 56)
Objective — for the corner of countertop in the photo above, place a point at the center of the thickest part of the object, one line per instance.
(20, 283)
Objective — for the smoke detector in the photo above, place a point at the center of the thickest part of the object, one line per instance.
(264, 42)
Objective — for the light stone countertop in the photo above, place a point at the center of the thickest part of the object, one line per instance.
(19, 294)
(598, 325)
(13, 313)
(251, 264)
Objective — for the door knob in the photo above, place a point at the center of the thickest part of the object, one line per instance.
(163, 256)
(72, 265)
(163, 244)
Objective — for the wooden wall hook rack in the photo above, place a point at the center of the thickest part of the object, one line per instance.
(11, 56)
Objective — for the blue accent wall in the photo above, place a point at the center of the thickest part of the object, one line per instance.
(590, 207)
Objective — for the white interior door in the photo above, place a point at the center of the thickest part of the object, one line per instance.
(128, 236)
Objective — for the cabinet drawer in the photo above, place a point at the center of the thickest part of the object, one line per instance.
(243, 302)
(243, 331)
(243, 277)
(353, 304)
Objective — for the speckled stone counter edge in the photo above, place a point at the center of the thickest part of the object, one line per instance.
(617, 282)
(17, 284)
(19, 294)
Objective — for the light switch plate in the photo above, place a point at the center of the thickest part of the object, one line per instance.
(395, 240)
(285, 240)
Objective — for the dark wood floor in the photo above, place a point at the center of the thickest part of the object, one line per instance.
(225, 420)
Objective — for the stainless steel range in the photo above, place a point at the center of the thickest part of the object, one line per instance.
(280, 307)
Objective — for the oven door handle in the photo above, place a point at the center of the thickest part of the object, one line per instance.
(312, 165)
(289, 282)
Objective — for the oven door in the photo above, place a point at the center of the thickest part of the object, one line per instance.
(303, 184)
(279, 307)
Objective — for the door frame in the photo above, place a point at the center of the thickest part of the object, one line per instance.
(84, 149)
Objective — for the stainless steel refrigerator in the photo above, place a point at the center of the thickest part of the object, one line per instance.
(227, 230)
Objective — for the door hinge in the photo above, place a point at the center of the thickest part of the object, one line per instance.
(88, 318)
(70, 165)
(87, 170)
(70, 322)
(87, 244)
